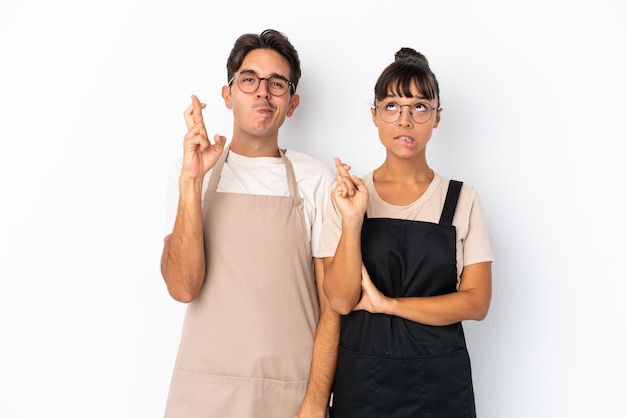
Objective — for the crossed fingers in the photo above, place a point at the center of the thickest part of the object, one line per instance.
(193, 113)
(345, 183)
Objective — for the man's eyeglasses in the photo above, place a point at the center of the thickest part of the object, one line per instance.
(250, 82)
(390, 111)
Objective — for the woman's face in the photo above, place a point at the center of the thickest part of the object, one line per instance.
(405, 124)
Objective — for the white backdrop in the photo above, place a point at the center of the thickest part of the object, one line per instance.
(91, 102)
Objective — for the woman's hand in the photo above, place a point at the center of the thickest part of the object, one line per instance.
(372, 299)
(350, 194)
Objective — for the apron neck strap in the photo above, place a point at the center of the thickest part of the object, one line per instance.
(449, 206)
(291, 176)
(217, 170)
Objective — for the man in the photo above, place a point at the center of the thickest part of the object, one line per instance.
(259, 339)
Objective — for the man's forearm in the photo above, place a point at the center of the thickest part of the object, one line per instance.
(183, 261)
(323, 366)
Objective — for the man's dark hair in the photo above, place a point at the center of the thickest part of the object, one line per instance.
(268, 39)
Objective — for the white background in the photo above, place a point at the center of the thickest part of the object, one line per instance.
(91, 102)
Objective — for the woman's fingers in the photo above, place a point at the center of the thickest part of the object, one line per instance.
(343, 170)
(345, 184)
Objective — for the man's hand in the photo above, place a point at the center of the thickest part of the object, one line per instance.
(199, 154)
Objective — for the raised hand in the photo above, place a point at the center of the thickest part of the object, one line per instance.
(199, 155)
(350, 194)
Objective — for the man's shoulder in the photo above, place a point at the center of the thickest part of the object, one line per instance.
(308, 164)
(295, 155)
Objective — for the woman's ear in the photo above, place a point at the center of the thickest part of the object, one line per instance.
(438, 117)
(373, 110)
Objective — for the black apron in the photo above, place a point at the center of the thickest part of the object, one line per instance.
(392, 367)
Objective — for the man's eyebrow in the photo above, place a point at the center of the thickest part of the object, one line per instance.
(250, 71)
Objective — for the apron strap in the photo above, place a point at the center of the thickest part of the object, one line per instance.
(217, 170)
(449, 206)
(291, 176)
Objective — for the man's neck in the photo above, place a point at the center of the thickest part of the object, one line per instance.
(252, 148)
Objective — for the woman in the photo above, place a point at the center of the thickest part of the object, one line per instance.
(407, 259)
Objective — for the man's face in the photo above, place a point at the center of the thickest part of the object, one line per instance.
(260, 113)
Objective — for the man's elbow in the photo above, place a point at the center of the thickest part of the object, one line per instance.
(180, 288)
(181, 295)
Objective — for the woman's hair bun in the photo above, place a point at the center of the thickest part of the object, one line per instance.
(409, 54)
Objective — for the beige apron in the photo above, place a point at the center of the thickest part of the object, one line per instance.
(247, 339)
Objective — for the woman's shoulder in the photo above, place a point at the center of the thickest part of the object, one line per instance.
(443, 184)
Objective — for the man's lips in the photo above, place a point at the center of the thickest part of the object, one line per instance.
(264, 108)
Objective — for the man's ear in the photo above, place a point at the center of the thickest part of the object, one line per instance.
(226, 96)
(293, 103)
